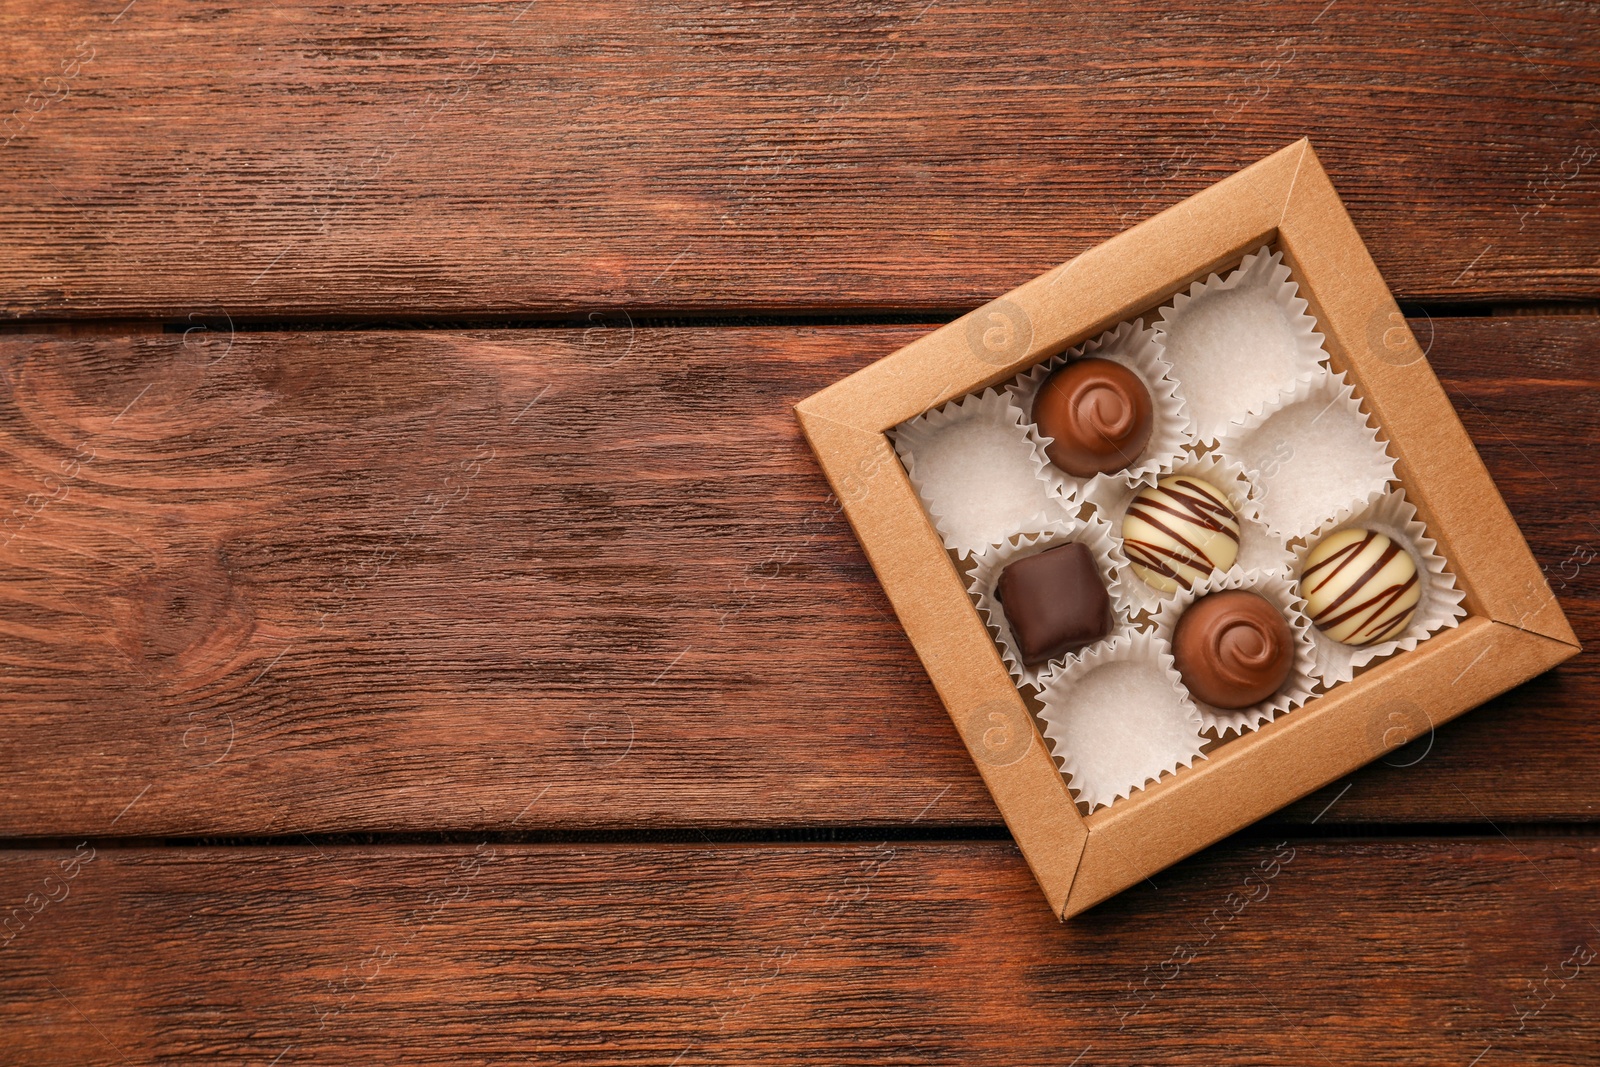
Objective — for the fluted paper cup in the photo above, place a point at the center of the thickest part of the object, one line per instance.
(985, 575)
(1296, 689)
(1117, 719)
(1439, 607)
(1236, 343)
(979, 471)
(1135, 346)
(1313, 458)
(1258, 549)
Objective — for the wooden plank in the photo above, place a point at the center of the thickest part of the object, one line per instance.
(1383, 952)
(553, 579)
(501, 158)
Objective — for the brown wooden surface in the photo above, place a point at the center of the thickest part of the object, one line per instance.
(1378, 952)
(512, 158)
(578, 593)
(552, 579)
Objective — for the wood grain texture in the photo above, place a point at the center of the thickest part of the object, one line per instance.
(1381, 952)
(563, 579)
(506, 158)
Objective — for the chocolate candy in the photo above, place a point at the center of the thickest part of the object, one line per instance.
(1098, 415)
(1360, 587)
(1178, 531)
(1056, 602)
(1233, 648)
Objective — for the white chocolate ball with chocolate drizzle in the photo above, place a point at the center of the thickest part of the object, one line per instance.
(1360, 587)
(1178, 531)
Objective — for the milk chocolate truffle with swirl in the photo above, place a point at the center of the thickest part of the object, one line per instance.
(1097, 414)
(1360, 587)
(1176, 532)
(1233, 648)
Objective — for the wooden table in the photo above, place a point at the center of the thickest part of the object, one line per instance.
(428, 639)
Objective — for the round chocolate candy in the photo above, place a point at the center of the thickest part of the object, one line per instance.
(1360, 587)
(1097, 413)
(1178, 531)
(1233, 648)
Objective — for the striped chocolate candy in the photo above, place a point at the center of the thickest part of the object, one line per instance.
(1360, 587)
(1178, 531)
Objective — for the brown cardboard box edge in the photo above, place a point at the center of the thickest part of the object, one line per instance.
(1285, 199)
(1291, 757)
(955, 647)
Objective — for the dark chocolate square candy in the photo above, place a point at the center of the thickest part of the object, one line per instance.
(1056, 602)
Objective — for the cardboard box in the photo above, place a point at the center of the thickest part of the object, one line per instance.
(1514, 629)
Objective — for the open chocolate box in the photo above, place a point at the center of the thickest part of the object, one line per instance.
(1283, 379)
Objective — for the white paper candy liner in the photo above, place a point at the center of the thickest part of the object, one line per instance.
(1118, 718)
(988, 564)
(1439, 607)
(1296, 689)
(1133, 345)
(1236, 343)
(1258, 549)
(979, 471)
(1312, 456)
